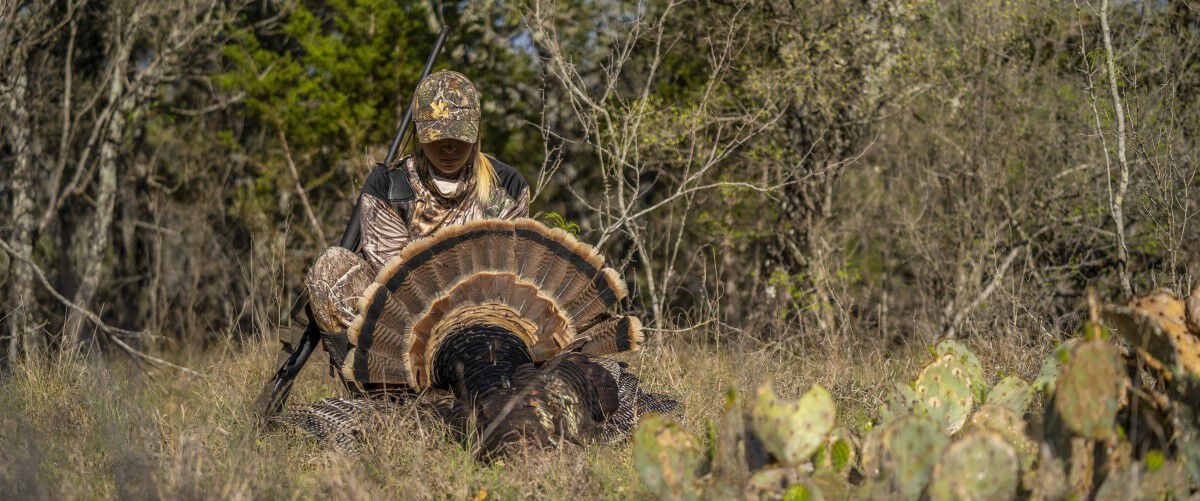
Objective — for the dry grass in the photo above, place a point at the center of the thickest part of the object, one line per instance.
(80, 428)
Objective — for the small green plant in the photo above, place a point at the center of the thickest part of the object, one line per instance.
(556, 220)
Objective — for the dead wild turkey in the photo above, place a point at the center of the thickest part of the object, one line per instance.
(512, 317)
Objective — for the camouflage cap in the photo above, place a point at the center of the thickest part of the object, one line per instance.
(446, 106)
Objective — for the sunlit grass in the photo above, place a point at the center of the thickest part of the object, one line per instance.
(89, 428)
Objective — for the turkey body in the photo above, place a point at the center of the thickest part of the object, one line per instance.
(516, 405)
(514, 319)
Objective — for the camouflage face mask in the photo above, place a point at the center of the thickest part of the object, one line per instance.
(446, 106)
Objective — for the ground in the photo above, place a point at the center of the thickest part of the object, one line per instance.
(89, 428)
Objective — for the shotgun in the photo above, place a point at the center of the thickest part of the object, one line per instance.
(274, 394)
(353, 235)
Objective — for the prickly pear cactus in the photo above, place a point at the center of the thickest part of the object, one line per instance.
(729, 462)
(871, 453)
(1012, 392)
(1009, 426)
(1084, 442)
(1089, 390)
(831, 485)
(981, 465)
(666, 458)
(944, 392)
(792, 431)
(1049, 479)
(911, 447)
(1052, 366)
(836, 453)
(1158, 326)
(900, 402)
(779, 482)
(790, 484)
(969, 361)
(1154, 478)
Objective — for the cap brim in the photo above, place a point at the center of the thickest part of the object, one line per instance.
(436, 130)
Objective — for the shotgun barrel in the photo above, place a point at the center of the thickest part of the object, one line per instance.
(296, 354)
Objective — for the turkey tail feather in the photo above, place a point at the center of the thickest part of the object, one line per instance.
(541, 284)
(614, 335)
(513, 318)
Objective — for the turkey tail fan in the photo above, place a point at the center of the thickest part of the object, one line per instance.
(540, 284)
(612, 335)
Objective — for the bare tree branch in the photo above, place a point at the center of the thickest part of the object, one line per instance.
(308, 211)
(951, 328)
(113, 332)
(1118, 200)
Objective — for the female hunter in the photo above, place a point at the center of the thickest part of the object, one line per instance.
(451, 182)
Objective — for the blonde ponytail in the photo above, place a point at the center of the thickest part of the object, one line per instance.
(485, 176)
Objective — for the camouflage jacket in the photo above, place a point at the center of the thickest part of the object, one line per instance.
(388, 228)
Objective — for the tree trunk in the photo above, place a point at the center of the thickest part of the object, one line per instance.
(23, 337)
(94, 239)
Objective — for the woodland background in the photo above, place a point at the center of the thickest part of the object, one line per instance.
(788, 168)
(783, 178)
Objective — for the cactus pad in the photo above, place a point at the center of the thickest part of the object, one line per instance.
(792, 431)
(1120, 484)
(1052, 366)
(1136, 481)
(1168, 481)
(1006, 423)
(872, 490)
(1157, 324)
(831, 485)
(900, 402)
(1012, 392)
(729, 460)
(911, 446)
(979, 466)
(944, 392)
(870, 455)
(802, 492)
(666, 458)
(786, 482)
(1081, 467)
(969, 361)
(1088, 391)
(836, 454)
